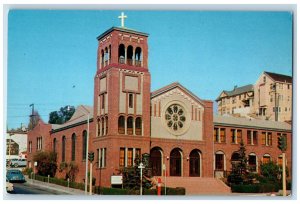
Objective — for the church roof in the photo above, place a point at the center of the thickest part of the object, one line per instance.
(251, 123)
(280, 77)
(79, 117)
(173, 86)
(123, 29)
(237, 91)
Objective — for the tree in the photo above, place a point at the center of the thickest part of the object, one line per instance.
(46, 163)
(131, 175)
(34, 119)
(71, 169)
(61, 116)
(239, 173)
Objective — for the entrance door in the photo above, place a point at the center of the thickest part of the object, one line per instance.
(194, 163)
(155, 161)
(175, 163)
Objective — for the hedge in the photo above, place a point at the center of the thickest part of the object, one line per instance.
(255, 188)
(110, 191)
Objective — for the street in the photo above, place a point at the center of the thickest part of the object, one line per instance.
(27, 188)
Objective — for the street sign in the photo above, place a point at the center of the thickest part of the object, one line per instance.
(35, 163)
(116, 180)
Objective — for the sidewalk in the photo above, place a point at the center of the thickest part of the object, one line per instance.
(71, 191)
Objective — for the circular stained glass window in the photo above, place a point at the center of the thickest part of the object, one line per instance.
(175, 117)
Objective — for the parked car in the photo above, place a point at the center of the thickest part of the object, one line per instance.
(15, 175)
(9, 186)
(18, 162)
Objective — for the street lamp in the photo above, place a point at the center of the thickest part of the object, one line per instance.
(87, 148)
(141, 166)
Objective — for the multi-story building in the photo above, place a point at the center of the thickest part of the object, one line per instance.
(238, 101)
(273, 97)
(171, 124)
(270, 98)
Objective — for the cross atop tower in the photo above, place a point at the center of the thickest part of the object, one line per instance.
(122, 19)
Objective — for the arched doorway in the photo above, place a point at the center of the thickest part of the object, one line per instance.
(156, 161)
(175, 162)
(194, 163)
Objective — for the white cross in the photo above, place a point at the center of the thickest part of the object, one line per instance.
(122, 18)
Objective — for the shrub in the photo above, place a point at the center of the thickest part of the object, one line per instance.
(27, 171)
(46, 163)
(255, 188)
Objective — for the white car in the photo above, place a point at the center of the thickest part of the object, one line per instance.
(9, 187)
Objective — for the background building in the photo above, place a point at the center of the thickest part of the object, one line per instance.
(270, 98)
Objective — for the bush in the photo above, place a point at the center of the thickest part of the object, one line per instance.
(255, 188)
(119, 191)
(27, 171)
(46, 163)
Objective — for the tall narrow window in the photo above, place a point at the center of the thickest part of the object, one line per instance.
(130, 100)
(122, 157)
(84, 137)
(219, 162)
(130, 157)
(102, 101)
(249, 137)
(106, 125)
(138, 126)
(102, 126)
(73, 146)
(255, 137)
(121, 124)
(130, 125)
(269, 139)
(30, 146)
(232, 131)
(63, 152)
(98, 127)
(216, 134)
(223, 135)
(99, 158)
(138, 153)
(263, 138)
(239, 136)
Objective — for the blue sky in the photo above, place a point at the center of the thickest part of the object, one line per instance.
(51, 51)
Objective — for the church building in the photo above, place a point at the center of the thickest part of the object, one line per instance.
(176, 127)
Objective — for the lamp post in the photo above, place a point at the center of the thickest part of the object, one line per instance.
(141, 166)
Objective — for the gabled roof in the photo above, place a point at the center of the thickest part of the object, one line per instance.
(123, 29)
(237, 91)
(79, 117)
(173, 86)
(280, 77)
(246, 122)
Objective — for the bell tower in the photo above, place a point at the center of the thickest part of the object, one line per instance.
(122, 83)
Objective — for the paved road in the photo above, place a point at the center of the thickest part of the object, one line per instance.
(27, 188)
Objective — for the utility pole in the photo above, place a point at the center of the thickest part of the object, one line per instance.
(32, 113)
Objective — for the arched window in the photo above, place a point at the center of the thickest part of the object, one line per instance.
(130, 125)
(102, 58)
(138, 126)
(102, 126)
(106, 56)
(129, 55)
(235, 160)
(106, 125)
(63, 152)
(109, 54)
(266, 159)
(252, 162)
(98, 127)
(175, 162)
(73, 146)
(138, 57)
(54, 145)
(121, 124)
(195, 163)
(121, 54)
(84, 137)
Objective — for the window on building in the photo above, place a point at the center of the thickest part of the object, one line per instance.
(264, 79)
(249, 137)
(138, 153)
(106, 125)
(102, 101)
(121, 125)
(102, 126)
(130, 125)
(130, 157)
(233, 100)
(233, 136)
(130, 100)
(101, 157)
(288, 86)
(216, 134)
(138, 126)
(122, 157)
(63, 152)
(252, 163)
(239, 136)
(255, 137)
(266, 159)
(219, 162)
(73, 146)
(263, 138)
(98, 127)
(269, 136)
(279, 161)
(222, 135)
(30, 146)
(84, 137)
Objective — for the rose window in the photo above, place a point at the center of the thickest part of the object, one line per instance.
(175, 117)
